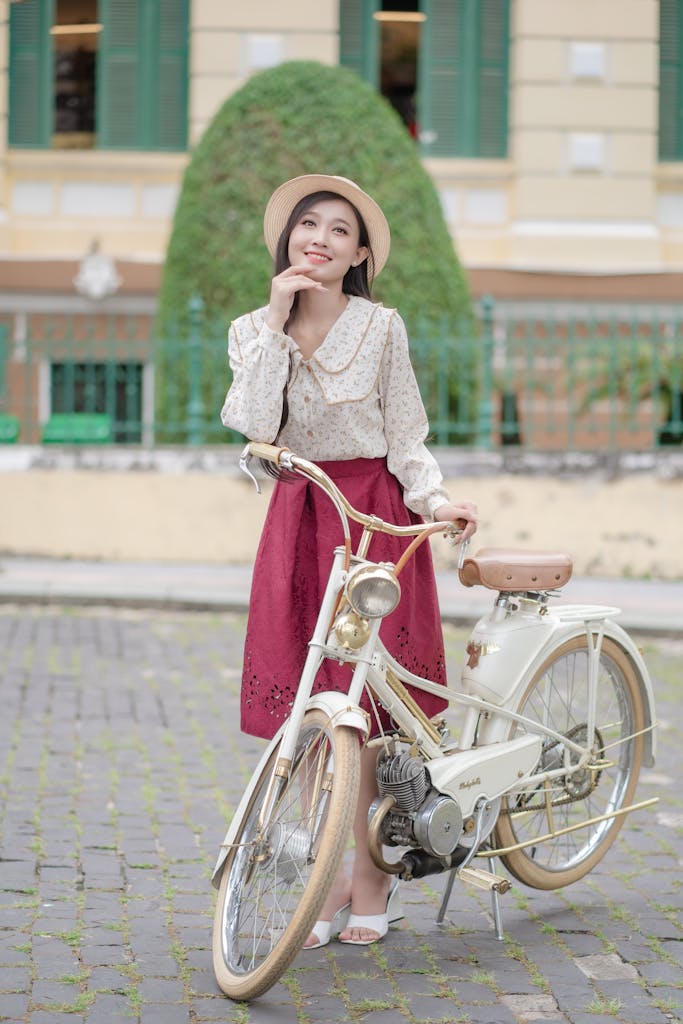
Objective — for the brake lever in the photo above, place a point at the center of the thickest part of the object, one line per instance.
(245, 459)
(462, 552)
(453, 532)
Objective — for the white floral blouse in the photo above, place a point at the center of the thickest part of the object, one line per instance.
(356, 397)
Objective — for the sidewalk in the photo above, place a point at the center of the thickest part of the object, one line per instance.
(648, 606)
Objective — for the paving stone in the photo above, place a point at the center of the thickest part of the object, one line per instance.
(51, 1017)
(16, 918)
(220, 1008)
(470, 991)
(108, 979)
(108, 1007)
(480, 1013)
(15, 979)
(323, 1013)
(437, 1008)
(168, 1013)
(606, 966)
(203, 983)
(161, 990)
(159, 965)
(103, 956)
(532, 1007)
(13, 1007)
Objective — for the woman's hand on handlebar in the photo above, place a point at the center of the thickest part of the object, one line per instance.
(464, 515)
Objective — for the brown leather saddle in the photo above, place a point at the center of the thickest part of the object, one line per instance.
(507, 569)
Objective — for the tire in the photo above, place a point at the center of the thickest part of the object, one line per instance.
(557, 696)
(272, 888)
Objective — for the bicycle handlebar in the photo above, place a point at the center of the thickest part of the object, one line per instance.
(286, 459)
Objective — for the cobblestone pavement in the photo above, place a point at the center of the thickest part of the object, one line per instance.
(121, 758)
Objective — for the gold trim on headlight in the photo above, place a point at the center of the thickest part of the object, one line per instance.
(373, 590)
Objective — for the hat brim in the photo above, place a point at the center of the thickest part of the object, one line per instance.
(285, 198)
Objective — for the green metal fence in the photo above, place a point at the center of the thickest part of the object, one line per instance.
(544, 379)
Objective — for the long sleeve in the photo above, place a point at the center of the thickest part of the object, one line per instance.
(406, 427)
(260, 362)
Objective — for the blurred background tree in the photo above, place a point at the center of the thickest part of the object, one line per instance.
(301, 118)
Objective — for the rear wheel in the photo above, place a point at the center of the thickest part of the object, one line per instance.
(557, 697)
(276, 877)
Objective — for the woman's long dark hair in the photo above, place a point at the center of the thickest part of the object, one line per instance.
(356, 280)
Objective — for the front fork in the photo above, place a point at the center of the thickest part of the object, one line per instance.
(317, 650)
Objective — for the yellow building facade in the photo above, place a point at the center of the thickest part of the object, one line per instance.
(581, 189)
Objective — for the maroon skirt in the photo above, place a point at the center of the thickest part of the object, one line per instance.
(292, 566)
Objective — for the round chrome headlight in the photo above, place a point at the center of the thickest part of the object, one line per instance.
(373, 591)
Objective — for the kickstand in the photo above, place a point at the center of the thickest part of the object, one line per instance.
(446, 896)
(496, 908)
(495, 884)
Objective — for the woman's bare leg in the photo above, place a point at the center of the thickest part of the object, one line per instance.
(369, 885)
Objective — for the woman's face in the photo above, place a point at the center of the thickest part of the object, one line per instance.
(325, 240)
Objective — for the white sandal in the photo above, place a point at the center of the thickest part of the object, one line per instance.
(324, 930)
(376, 922)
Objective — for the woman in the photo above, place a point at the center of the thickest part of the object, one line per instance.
(326, 372)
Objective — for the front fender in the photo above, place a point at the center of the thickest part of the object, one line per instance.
(340, 711)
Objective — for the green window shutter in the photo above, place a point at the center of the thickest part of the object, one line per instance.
(31, 74)
(142, 81)
(441, 94)
(171, 92)
(463, 76)
(118, 86)
(359, 38)
(494, 34)
(671, 80)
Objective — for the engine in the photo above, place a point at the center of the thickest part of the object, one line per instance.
(420, 816)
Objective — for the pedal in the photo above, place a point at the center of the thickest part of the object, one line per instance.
(483, 879)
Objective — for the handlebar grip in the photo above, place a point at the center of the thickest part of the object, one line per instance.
(269, 452)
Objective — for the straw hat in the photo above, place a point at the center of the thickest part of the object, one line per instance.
(285, 198)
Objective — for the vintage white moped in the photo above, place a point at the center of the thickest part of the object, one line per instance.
(557, 717)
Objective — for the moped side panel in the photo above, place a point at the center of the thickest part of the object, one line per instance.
(500, 651)
(484, 771)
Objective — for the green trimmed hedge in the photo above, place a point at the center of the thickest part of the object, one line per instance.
(299, 118)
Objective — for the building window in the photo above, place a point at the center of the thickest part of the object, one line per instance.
(443, 64)
(74, 36)
(111, 388)
(671, 80)
(105, 73)
(400, 25)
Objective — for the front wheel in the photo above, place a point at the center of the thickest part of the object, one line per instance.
(278, 872)
(558, 697)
